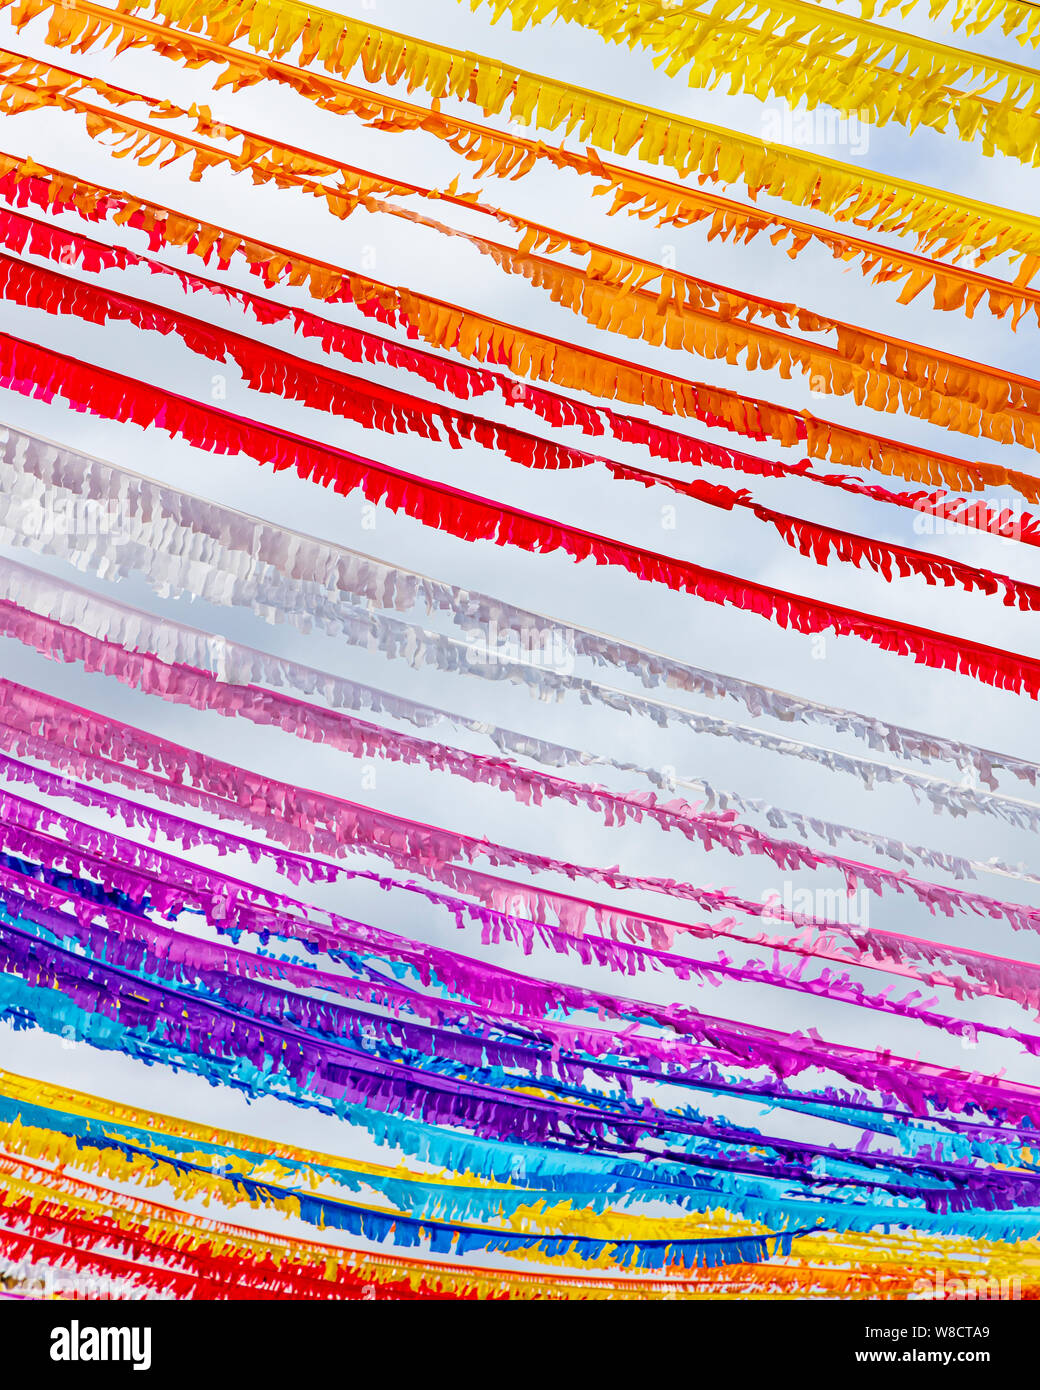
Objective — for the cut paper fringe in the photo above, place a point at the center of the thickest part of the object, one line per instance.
(802, 53)
(612, 291)
(185, 665)
(506, 155)
(340, 44)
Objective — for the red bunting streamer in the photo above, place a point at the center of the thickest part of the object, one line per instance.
(269, 370)
(46, 375)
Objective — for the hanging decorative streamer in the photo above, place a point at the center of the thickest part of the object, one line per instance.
(197, 689)
(684, 314)
(1018, 17)
(1009, 978)
(85, 1116)
(168, 956)
(280, 1268)
(227, 557)
(42, 374)
(268, 370)
(231, 907)
(233, 1031)
(900, 76)
(546, 1122)
(20, 233)
(244, 1244)
(69, 1113)
(175, 662)
(560, 1171)
(308, 1067)
(306, 819)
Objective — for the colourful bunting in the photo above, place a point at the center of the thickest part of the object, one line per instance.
(354, 861)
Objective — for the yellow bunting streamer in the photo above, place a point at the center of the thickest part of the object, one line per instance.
(178, 1232)
(802, 52)
(174, 1232)
(973, 16)
(57, 1149)
(913, 1251)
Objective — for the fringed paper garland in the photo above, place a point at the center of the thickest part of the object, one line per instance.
(230, 558)
(715, 322)
(802, 52)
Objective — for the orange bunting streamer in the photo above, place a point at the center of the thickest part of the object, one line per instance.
(479, 337)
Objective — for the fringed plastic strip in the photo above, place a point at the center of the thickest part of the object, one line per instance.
(79, 1118)
(45, 375)
(600, 1214)
(294, 1264)
(886, 951)
(211, 1172)
(79, 1115)
(179, 683)
(942, 1187)
(66, 623)
(947, 1138)
(21, 233)
(232, 908)
(229, 906)
(612, 291)
(679, 1249)
(222, 1153)
(131, 940)
(295, 1268)
(205, 1259)
(403, 1280)
(22, 1180)
(230, 558)
(458, 1241)
(301, 817)
(683, 314)
(1017, 17)
(942, 1209)
(317, 1063)
(504, 154)
(215, 1040)
(548, 1166)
